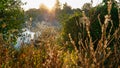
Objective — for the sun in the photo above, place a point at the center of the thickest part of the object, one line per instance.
(49, 4)
(45, 7)
(36, 4)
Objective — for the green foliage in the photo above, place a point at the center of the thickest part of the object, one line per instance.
(95, 23)
(70, 25)
(35, 14)
(66, 12)
(11, 16)
(57, 7)
(75, 27)
(86, 8)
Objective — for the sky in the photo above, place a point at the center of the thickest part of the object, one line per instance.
(50, 3)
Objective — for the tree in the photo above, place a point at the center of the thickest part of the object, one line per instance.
(86, 8)
(67, 9)
(35, 14)
(11, 16)
(57, 9)
(105, 1)
(65, 12)
(57, 5)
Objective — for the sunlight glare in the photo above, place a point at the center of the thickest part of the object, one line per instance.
(36, 4)
(48, 4)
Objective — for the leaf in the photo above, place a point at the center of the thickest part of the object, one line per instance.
(4, 25)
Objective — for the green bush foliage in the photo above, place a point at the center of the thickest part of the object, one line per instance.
(73, 25)
(11, 17)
